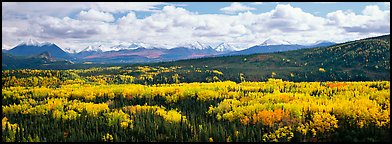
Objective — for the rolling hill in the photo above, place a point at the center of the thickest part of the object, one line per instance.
(365, 59)
(264, 48)
(41, 61)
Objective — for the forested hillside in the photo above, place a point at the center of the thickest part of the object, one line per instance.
(366, 59)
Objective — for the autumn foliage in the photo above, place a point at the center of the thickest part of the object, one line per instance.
(275, 110)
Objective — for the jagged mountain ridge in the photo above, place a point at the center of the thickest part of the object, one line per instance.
(119, 53)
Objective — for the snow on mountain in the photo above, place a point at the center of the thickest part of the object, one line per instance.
(33, 42)
(36, 43)
(34, 47)
(197, 45)
(270, 41)
(224, 47)
(128, 46)
(322, 42)
(6, 47)
(91, 48)
(69, 50)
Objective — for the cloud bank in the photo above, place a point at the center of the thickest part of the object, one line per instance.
(78, 25)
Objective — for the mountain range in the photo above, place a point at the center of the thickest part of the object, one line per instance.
(365, 59)
(140, 53)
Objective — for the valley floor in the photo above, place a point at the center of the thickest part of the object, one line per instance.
(274, 110)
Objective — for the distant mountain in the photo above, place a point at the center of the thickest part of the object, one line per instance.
(270, 46)
(197, 45)
(140, 52)
(359, 60)
(40, 61)
(88, 51)
(271, 41)
(69, 50)
(32, 47)
(266, 49)
(145, 54)
(224, 47)
(120, 55)
(92, 49)
(126, 46)
(322, 44)
(187, 53)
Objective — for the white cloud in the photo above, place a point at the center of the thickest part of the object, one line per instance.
(372, 20)
(289, 19)
(324, 2)
(68, 28)
(388, 4)
(257, 3)
(172, 26)
(236, 7)
(127, 6)
(95, 15)
(36, 9)
(62, 9)
(372, 10)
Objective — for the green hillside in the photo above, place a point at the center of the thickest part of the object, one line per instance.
(360, 60)
(41, 61)
(366, 59)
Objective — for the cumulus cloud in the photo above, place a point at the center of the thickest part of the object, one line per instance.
(172, 26)
(66, 27)
(388, 4)
(95, 15)
(290, 19)
(236, 7)
(25, 10)
(257, 3)
(324, 2)
(127, 6)
(372, 20)
(62, 9)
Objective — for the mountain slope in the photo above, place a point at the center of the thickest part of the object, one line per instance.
(270, 46)
(224, 47)
(366, 59)
(40, 61)
(142, 54)
(30, 49)
(266, 49)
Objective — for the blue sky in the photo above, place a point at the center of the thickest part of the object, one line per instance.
(75, 26)
(311, 7)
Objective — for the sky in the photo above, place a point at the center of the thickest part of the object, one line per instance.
(75, 25)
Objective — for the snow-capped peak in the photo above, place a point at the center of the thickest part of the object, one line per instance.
(69, 50)
(130, 46)
(322, 41)
(223, 47)
(198, 45)
(6, 47)
(270, 41)
(33, 42)
(91, 48)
